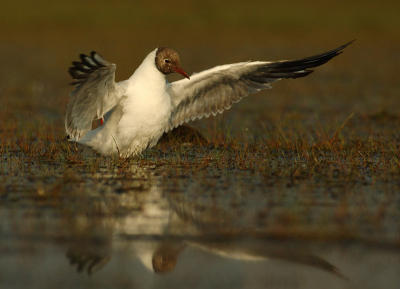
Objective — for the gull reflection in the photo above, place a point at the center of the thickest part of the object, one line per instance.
(156, 227)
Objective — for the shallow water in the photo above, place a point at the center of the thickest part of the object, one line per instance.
(146, 227)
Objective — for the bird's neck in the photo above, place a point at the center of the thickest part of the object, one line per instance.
(147, 72)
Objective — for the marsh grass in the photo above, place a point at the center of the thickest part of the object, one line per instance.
(336, 155)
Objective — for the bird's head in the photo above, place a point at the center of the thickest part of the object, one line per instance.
(167, 61)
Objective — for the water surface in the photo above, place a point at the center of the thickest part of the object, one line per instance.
(148, 227)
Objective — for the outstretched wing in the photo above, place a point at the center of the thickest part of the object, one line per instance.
(94, 94)
(215, 90)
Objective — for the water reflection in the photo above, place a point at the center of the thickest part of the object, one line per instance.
(138, 229)
(162, 225)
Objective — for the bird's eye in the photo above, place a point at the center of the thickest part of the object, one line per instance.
(167, 61)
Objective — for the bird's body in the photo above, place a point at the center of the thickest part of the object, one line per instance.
(139, 119)
(134, 113)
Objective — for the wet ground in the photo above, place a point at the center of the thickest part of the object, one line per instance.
(295, 187)
(137, 224)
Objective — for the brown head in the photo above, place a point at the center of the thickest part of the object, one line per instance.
(164, 260)
(167, 61)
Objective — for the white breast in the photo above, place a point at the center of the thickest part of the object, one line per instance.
(146, 109)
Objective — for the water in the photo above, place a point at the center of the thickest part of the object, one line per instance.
(169, 227)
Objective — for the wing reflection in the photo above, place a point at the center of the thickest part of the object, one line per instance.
(85, 259)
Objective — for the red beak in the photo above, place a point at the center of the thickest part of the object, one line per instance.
(181, 71)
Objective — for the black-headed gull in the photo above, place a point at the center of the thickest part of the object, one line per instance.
(129, 116)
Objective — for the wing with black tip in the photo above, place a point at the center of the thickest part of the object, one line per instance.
(214, 90)
(95, 93)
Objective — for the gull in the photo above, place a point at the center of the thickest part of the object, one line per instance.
(129, 116)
